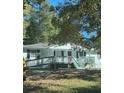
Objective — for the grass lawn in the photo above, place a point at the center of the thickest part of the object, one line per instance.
(74, 82)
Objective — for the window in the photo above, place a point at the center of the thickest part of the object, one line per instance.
(54, 53)
(69, 53)
(38, 51)
(38, 54)
(62, 53)
(28, 54)
(77, 54)
(84, 53)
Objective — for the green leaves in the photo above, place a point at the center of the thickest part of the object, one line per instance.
(65, 26)
(40, 28)
(72, 19)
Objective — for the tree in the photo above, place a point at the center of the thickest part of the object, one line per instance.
(48, 30)
(64, 23)
(33, 33)
(26, 13)
(40, 28)
(77, 16)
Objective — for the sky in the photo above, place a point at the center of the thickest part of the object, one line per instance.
(56, 2)
(88, 35)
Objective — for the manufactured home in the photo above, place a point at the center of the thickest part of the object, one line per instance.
(43, 54)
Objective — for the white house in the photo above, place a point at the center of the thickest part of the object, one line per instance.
(43, 53)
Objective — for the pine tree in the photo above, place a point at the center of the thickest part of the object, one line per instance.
(76, 16)
(40, 28)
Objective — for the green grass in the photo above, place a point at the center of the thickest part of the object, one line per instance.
(72, 85)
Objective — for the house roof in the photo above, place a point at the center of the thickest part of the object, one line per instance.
(66, 46)
(36, 46)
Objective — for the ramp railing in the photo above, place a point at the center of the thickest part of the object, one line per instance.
(39, 61)
(76, 63)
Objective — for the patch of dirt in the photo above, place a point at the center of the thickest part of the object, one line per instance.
(64, 74)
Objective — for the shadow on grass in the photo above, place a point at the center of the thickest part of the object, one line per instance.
(90, 75)
(87, 90)
(37, 89)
